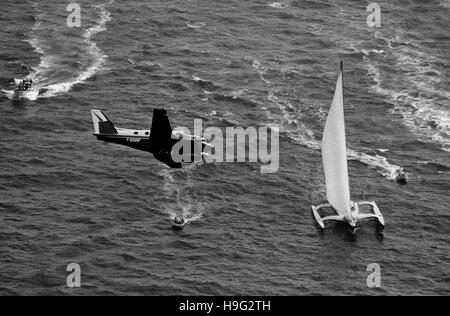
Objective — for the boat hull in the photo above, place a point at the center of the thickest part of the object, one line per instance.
(357, 216)
(178, 226)
(31, 95)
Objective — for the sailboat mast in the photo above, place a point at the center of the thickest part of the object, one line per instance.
(343, 110)
(334, 154)
(342, 73)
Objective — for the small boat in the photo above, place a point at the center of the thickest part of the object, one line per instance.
(28, 94)
(178, 223)
(335, 165)
(25, 90)
(402, 178)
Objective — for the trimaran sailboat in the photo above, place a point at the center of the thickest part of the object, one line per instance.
(334, 158)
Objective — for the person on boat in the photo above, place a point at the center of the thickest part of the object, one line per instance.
(28, 84)
(402, 178)
(179, 220)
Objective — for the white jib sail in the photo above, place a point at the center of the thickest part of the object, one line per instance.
(334, 155)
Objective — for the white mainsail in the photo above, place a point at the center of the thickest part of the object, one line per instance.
(334, 154)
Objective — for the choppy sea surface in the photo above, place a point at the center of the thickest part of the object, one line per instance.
(65, 197)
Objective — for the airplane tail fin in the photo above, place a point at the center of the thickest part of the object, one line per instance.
(161, 132)
(102, 124)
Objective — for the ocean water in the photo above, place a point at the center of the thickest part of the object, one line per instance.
(65, 197)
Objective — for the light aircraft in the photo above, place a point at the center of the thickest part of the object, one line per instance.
(159, 141)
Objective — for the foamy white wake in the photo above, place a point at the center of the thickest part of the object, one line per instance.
(419, 101)
(98, 55)
(261, 70)
(48, 60)
(33, 42)
(445, 3)
(8, 93)
(195, 25)
(296, 130)
(183, 205)
(280, 5)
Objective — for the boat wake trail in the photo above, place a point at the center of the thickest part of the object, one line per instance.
(280, 5)
(33, 42)
(421, 98)
(8, 94)
(54, 74)
(177, 183)
(294, 125)
(445, 4)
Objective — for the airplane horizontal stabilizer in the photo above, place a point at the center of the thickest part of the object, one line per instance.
(102, 124)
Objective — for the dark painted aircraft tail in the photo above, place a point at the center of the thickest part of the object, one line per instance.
(161, 133)
(161, 138)
(102, 125)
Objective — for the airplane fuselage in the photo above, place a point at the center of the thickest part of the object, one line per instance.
(168, 146)
(139, 140)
